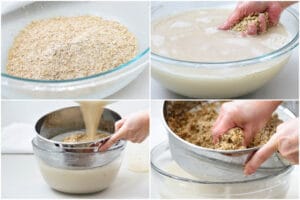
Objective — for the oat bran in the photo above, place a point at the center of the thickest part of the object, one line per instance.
(70, 47)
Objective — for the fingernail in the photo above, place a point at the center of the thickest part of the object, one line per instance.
(221, 27)
(248, 172)
(101, 149)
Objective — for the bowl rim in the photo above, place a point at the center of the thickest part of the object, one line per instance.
(281, 172)
(119, 145)
(134, 60)
(280, 107)
(60, 144)
(293, 43)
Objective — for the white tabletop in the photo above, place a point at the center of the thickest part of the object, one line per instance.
(283, 86)
(20, 173)
(137, 89)
(159, 135)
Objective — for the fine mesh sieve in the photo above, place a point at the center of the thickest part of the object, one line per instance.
(196, 160)
(74, 155)
(63, 122)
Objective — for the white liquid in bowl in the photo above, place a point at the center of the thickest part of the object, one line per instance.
(276, 187)
(216, 83)
(193, 36)
(80, 181)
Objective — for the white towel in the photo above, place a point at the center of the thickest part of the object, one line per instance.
(16, 138)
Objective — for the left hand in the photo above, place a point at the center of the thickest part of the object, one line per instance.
(285, 140)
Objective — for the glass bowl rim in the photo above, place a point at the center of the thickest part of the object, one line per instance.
(164, 173)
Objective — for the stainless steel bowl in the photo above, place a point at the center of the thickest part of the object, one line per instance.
(76, 167)
(195, 159)
(73, 155)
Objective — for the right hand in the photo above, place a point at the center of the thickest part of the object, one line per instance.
(250, 116)
(134, 128)
(244, 9)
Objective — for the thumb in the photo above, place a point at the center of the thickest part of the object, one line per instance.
(233, 19)
(221, 126)
(274, 12)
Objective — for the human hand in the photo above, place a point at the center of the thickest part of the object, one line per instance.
(247, 8)
(134, 128)
(285, 140)
(250, 116)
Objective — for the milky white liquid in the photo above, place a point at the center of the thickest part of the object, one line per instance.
(193, 36)
(84, 180)
(80, 181)
(92, 112)
(172, 188)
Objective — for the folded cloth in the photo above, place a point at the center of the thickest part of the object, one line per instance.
(16, 138)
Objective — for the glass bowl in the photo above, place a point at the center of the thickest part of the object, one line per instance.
(133, 15)
(170, 181)
(220, 79)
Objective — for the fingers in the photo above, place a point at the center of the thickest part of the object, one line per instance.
(242, 10)
(231, 21)
(262, 23)
(112, 140)
(274, 10)
(252, 29)
(248, 135)
(223, 124)
(261, 156)
(119, 124)
(288, 142)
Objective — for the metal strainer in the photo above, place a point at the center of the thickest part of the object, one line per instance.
(69, 120)
(74, 155)
(196, 160)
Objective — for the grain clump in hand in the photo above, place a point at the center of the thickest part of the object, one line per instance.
(253, 24)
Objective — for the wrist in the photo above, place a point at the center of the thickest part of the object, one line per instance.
(285, 4)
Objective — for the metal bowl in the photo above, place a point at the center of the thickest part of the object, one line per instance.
(74, 155)
(76, 167)
(194, 159)
(68, 120)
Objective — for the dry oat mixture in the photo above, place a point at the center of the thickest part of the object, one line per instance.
(242, 26)
(70, 47)
(193, 120)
